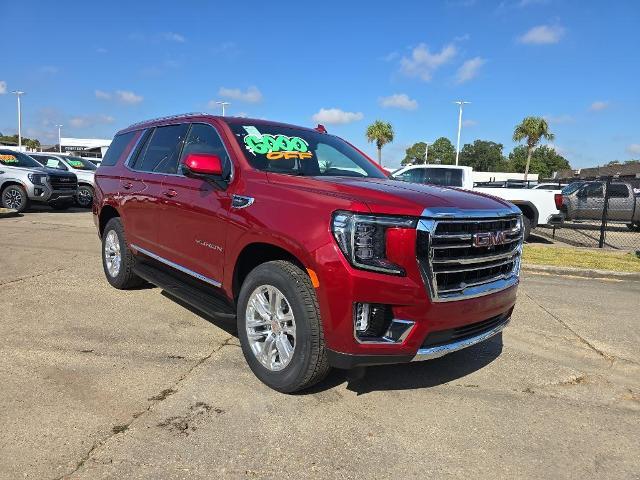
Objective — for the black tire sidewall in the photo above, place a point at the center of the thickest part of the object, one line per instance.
(23, 192)
(288, 379)
(526, 224)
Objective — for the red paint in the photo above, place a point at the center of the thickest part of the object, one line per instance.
(293, 213)
(204, 163)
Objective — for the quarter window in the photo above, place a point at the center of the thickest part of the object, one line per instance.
(618, 190)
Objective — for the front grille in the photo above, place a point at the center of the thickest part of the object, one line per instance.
(63, 183)
(442, 337)
(467, 257)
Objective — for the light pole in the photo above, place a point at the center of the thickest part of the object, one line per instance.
(460, 103)
(426, 152)
(59, 138)
(18, 94)
(223, 104)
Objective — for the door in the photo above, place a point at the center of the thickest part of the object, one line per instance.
(141, 188)
(590, 202)
(192, 225)
(621, 205)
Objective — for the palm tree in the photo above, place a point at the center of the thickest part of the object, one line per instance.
(532, 129)
(381, 133)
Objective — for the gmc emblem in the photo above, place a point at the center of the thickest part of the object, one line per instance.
(488, 239)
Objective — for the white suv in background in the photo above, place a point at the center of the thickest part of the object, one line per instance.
(83, 168)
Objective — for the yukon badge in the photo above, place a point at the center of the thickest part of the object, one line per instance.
(488, 239)
(212, 246)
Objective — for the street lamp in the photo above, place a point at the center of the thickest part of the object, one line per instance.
(223, 104)
(59, 138)
(18, 94)
(426, 152)
(460, 103)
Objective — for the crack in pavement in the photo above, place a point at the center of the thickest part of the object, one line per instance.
(611, 359)
(155, 400)
(21, 279)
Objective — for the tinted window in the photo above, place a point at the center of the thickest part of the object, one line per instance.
(572, 187)
(593, 190)
(117, 148)
(163, 149)
(80, 163)
(618, 190)
(298, 151)
(204, 139)
(415, 175)
(17, 159)
(447, 177)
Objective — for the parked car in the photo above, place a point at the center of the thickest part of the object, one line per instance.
(320, 258)
(538, 206)
(81, 167)
(586, 202)
(23, 180)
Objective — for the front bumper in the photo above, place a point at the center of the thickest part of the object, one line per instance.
(46, 194)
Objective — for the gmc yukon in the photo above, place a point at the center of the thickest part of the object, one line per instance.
(302, 240)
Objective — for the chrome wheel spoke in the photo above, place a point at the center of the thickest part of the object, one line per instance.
(285, 349)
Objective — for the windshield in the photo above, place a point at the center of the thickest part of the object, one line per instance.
(296, 151)
(80, 163)
(17, 159)
(572, 187)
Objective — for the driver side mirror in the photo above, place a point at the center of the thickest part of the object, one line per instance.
(203, 165)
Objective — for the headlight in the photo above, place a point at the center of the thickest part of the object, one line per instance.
(362, 239)
(37, 178)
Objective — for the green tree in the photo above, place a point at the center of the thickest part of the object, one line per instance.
(381, 133)
(532, 130)
(414, 154)
(483, 156)
(442, 151)
(544, 160)
(27, 142)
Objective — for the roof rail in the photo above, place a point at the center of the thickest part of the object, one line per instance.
(169, 117)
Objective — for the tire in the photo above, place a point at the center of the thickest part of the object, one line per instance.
(115, 249)
(15, 197)
(84, 198)
(526, 223)
(307, 364)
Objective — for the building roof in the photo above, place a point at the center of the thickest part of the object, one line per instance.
(622, 170)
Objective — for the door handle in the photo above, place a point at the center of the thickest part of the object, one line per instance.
(127, 185)
(170, 193)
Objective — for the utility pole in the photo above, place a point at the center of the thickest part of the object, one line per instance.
(460, 103)
(59, 138)
(18, 94)
(426, 153)
(223, 104)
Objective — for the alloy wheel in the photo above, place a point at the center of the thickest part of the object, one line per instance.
(112, 256)
(13, 198)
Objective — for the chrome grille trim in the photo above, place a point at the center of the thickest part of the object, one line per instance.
(458, 270)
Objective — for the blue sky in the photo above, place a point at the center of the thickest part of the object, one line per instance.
(97, 67)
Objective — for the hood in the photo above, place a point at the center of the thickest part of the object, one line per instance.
(394, 196)
(54, 172)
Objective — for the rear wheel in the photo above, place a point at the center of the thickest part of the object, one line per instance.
(15, 197)
(526, 224)
(117, 259)
(280, 329)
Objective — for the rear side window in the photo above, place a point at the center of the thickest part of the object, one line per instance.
(162, 152)
(117, 148)
(618, 190)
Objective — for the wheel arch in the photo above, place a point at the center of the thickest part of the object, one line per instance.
(529, 210)
(107, 212)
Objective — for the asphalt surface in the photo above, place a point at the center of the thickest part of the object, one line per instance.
(99, 383)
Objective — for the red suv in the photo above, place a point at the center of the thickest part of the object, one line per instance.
(297, 235)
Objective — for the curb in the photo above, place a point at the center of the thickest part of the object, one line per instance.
(582, 272)
(8, 212)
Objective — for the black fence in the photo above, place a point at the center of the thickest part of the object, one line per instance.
(603, 213)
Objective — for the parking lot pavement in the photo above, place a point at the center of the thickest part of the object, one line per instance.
(99, 383)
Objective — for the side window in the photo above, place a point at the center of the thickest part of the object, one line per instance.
(415, 175)
(53, 162)
(204, 138)
(162, 151)
(593, 190)
(118, 146)
(618, 190)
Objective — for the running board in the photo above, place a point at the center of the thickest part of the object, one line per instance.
(202, 298)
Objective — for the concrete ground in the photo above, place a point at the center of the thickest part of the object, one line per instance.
(99, 383)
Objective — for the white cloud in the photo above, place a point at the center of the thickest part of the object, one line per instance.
(128, 97)
(84, 121)
(251, 95)
(390, 56)
(542, 35)
(469, 69)
(174, 37)
(335, 115)
(423, 63)
(399, 100)
(102, 95)
(599, 106)
(558, 119)
(634, 149)
(3, 87)
(469, 123)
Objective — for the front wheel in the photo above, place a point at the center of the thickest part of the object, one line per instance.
(526, 225)
(84, 198)
(280, 329)
(15, 197)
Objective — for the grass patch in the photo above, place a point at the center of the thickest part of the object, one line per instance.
(571, 257)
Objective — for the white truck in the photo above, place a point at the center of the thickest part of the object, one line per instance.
(538, 206)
